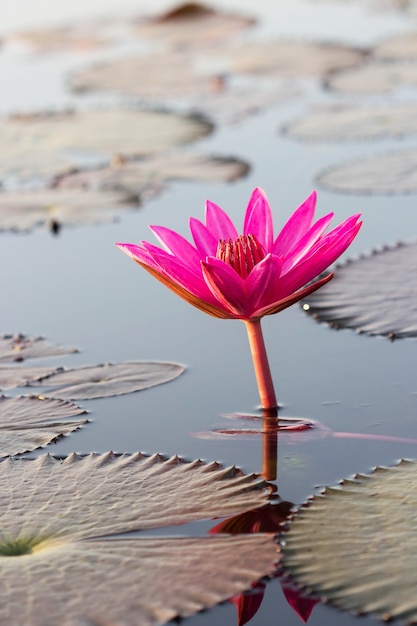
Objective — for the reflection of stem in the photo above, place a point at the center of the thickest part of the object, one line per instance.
(261, 365)
(269, 444)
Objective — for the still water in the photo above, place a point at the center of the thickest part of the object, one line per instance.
(77, 289)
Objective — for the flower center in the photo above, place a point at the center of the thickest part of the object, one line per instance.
(242, 254)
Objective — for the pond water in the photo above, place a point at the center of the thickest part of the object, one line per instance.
(77, 289)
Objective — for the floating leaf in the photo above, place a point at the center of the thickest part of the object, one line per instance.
(193, 24)
(30, 422)
(99, 195)
(81, 36)
(146, 177)
(391, 172)
(372, 294)
(376, 77)
(111, 379)
(400, 47)
(59, 518)
(40, 146)
(25, 210)
(20, 347)
(12, 376)
(349, 123)
(291, 59)
(355, 545)
(172, 75)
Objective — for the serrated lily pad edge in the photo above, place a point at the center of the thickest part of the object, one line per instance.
(300, 509)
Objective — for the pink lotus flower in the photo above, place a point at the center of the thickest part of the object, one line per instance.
(246, 276)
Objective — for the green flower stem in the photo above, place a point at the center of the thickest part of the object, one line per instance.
(261, 365)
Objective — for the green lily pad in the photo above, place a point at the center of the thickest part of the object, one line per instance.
(372, 294)
(41, 146)
(350, 123)
(30, 422)
(386, 173)
(20, 347)
(376, 77)
(355, 545)
(111, 379)
(63, 562)
(292, 59)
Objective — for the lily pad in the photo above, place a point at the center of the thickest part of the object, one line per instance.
(79, 36)
(355, 545)
(372, 294)
(350, 123)
(193, 24)
(25, 210)
(292, 59)
(71, 566)
(403, 46)
(20, 347)
(376, 77)
(110, 379)
(147, 177)
(157, 76)
(18, 376)
(37, 147)
(30, 422)
(386, 173)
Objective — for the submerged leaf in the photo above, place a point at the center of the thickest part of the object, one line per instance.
(30, 422)
(391, 172)
(20, 347)
(110, 379)
(349, 123)
(355, 545)
(372, 294)
(72, 569)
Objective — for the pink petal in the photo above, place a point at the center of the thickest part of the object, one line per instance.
(300, 603)
(297, 225)
(258, 219)
(219, 223)
(306, 242)
(336, 233)
(261, 282)
(181, 274)
(321, 259)
(226, 285)
(135, 252)
(176, 245)
(206, 243)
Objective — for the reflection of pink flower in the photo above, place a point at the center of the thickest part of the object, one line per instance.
(266, 519)
(251, 275)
